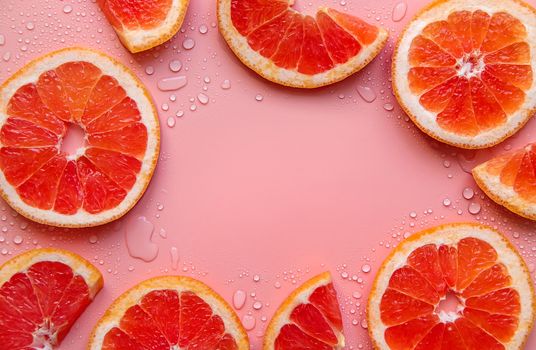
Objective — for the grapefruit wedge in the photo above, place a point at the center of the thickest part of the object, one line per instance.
(510, 180)
(102, 179)
(42, 293)
(292, 49)
(169, 312)
(464, 70)
(143, 24)
(310, 318)
(456, 286)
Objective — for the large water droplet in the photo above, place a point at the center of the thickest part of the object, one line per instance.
(138, 234)
(203, 29)
(248, 322)
(366, 93)
(67, 9)
(188, 43)
(149, 70)
(239, 299)
(474, 208)
(202, 98)
(172, 83)
(17, 239)
(171, 122)
(468, 193)
(399, 11)
(175, 65)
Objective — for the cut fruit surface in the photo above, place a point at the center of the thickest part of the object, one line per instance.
(310, 318)
(456, 286)
(42, 294)
(107, 175)
(292, 49)
(510, 180)
(143, 24)
(464, 72)
(169, 312)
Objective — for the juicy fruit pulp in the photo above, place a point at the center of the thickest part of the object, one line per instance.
(517, 170)
(471, 70)
(489, 308)
(165, 319)
(135, 14)
(99, 176)
(313, 324)
(39, 306)
(309, 45)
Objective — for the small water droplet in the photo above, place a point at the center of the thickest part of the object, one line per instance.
(277, 284)
(256, 278)
(17, 239)
(165, 107)
(446, 202)
(179, 113)
(257, 305)
(366, 268)
(413, 215)
(206, 80)
(203, 99)
(172, 83)
(399, 11)
(364, 323)
(366, 93)
(6, 56)
(174, 252)
(4, 251)
(171, 122)
(474, 208)
(193, 107)
(149, 70)
(239, 299)
(67, 9)
(515, 235)
(175, 65)
(2, 40)
(446, 164)
(248, 322)
(93, 239)
(259, 97)
(226, 84)
(188, 43)
(388, 107)
(468, 193)
(30, 26)
(203, 29)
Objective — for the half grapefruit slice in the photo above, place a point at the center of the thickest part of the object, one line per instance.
(464, 70)
(510, 180)
(169, 312)
(143, 24)
(292, 49)
(457, 286)
(107, 175)
(310, 318)
(42, 293)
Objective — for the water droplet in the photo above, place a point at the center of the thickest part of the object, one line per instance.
(239, 299)
(248, 322)
(179, 114)
(364, 323)
(202, 98)
(468, 193)
(4, 251)
(174, 252)
(355, 322)
(171, 122)
(388, 107)
(531, 267)
(356, 295)
(149, 70)
(165, 107)
(2, 40)
(17, 239)
(259, 97)
(175, 65)
(138, 235)
(257, 305)
(188, 43)
(446, 202)
(399, 11)
(93, 239)
(277, 284)
(160, 206)
(474, 208)
(226, 84)
(413, 215)
(6, 56)
(366, 268)
(172, 83)
(67, 9)
(446, 164)
(30, 26)
(344, 275)
(206, 80)
(172, 98)
(366, 93)
(515, 235)
(193, 107)
(203, 29)
(256, 278)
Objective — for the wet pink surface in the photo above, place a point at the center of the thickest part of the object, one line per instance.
(283, 188)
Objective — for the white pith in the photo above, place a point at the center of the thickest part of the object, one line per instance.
(133, 88)
(426, 119)
(133, 296)
(298, 297)
(266, 68)
(503, 194)
(450, 235)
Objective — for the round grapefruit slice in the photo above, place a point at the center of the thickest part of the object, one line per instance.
(42, 293)
(456, 286)
(292, 49)
(464, 70)
(105, 177)
(169, 312)
(510, 180)
(142, 24)
(310, 318)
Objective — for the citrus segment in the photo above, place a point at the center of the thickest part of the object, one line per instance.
(310, 318)
(42, 294)
(465, 75)
(168, 313)
(493, 291)
(298, 50)
(142, 24)
(510, 180)
(105, 177)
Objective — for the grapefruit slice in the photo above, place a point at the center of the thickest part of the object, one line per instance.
(456, 286)
(142, 24)
(292, 49)
(309, 318)
(105, 177)
(42, 293)
(510, 180)
(169, 312)
(464, 70)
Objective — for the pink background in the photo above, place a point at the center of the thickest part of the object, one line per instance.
(283, 188)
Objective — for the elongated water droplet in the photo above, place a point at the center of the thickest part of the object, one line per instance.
(2, 39)
(172, 83)
(138, 235)
(399, 11)
(239, 299)
(202, 98)
(174, 252)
